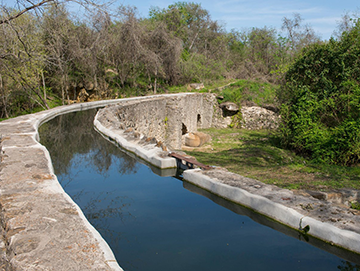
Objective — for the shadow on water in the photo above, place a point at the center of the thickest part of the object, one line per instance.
(84, 162)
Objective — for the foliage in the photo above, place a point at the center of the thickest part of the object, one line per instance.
(321, 101)
(255, 92)
(49, 55)
(355, 205)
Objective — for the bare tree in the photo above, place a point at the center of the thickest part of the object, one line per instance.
(346, 23)
(299, 35)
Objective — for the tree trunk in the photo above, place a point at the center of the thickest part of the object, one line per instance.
(3, 97)
(43, 81)
(155, 85)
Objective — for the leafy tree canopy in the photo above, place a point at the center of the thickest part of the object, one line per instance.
(321, 101)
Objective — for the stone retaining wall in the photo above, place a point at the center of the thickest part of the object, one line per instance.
(163, 118)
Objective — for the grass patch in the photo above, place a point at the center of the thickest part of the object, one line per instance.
(259, 155)
(257, 92)
(209, 86)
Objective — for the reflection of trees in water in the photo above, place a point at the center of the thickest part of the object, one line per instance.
(346, 266)
(72, 134)
(73, 143)
(101, 208)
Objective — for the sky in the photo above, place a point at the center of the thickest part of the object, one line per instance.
(322, 15)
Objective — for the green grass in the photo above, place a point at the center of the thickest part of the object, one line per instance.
(258, 155)
(259, 93)
(209, 86)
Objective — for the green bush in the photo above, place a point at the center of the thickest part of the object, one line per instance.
(321, 101)
(247, 90)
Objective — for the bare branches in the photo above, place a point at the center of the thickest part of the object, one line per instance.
(18, 14)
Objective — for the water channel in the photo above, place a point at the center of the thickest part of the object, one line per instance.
(162, 223)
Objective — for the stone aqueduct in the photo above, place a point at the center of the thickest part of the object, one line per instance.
(43, 229)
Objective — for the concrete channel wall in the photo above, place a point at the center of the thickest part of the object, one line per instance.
(41, 226)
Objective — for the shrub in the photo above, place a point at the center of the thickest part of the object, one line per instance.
(321, 101)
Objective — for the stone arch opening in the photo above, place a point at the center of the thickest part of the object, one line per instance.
(184, 129)
(198, 120)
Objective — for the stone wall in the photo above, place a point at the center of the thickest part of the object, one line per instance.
(256, 118)
(165, 118)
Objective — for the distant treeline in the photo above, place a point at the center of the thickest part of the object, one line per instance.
(49, 56)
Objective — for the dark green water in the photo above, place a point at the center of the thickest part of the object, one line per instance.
(161, 223)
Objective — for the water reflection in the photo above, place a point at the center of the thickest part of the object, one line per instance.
(151, 223)
(69, 135)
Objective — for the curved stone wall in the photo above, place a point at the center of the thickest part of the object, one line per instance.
(42, 228)
(165, 118)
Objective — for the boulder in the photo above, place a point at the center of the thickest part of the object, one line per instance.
(255, 118)
(204, 138)
(229, 106)
(196, 139)
(196, 86)
(192, 140)
(229, 109)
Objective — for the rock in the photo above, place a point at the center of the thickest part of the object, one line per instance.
(204, 138)
(196, 139)
(230, 107)
(129, 130)
(196, 86)
(89, 86)
(151, 140)
(83, 96)
(158, 144)
(220, 97)
(317, 194)
(256, 118)
(192, 140)
(271, 108)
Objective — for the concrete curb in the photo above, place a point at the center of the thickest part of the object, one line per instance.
(278, 212)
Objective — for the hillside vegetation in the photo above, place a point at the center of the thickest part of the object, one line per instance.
(50, 56)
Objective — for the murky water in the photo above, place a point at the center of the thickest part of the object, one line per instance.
(161, 223)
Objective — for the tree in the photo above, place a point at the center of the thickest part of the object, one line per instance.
(346, 23)
(162, 56)
(321, 101)
(299, 35)
(22, 65)
(56, 30)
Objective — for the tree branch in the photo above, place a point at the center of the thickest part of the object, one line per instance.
(7, 20)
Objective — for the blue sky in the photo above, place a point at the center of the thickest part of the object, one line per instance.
(322, 15)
